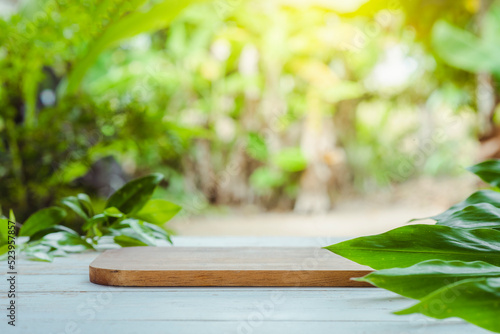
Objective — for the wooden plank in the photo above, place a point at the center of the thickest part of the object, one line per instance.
(81, 283)
(228, 310)
(58, 298)
(214, 304)
(253, 325)
(224, 266)
(72, 264)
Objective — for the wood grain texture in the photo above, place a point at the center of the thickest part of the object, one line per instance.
(225, 266)
(252, 326)
(58, 298)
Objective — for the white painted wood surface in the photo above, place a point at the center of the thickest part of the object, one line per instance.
(58, 298)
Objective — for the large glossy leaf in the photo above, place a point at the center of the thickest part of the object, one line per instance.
(154, 18)
(158, 211)
(42, 220)
(488, 171)
(474, 300)
(483, 215)
(482, 196)
(409, 245)
(135, 194)
(425, 277)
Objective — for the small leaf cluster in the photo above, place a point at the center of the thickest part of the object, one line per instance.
(130, 218)
(452, 268)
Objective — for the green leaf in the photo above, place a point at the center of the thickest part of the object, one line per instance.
(4, 249)
(66, 242)
(38, 252)
(42, 220)
(256, 147)
(482, 196)
(409, 245)
(134, 195)
(4, 230)
(97, 219)
(85, 203)
(96, 231)
(155, 18)
(265, 178)
(74, 204)
(461, 48)
(483, 215)
(126, 241)
(113, 212)
(54, 229)
(291, 160)
(146, 233)
(158, 211)
(138, 231)
(425, 277)
(488, 171)
(158, 232)
(40, 256)
(474, 300)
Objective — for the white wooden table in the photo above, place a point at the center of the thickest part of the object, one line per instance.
(58, 298)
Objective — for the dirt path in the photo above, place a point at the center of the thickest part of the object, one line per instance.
(337, 223)
(372, 214)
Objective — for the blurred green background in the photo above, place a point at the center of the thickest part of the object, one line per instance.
(279, 104)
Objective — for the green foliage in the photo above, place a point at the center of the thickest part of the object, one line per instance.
(291, 160)
(482, 215)
(136, 221)
(488, 171)
(479, 197)
(158, 16)
(464, 50)
(147, 81)
(157, 211)
(256, 147)
(475, 300)
(42, 220)
(134, 195)
(52, 126)
(425, 277)
(459, 257)
(265, 178)
(408, 245)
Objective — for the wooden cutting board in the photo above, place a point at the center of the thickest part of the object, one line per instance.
(225, 266)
